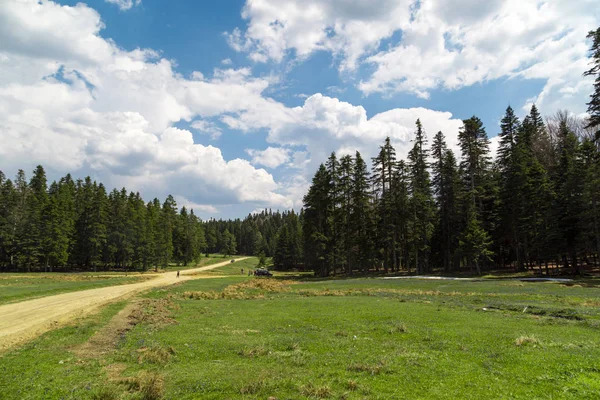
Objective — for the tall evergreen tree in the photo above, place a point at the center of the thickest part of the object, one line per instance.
(594, 103)
(422, 204)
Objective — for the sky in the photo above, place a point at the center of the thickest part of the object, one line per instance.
(230, 106)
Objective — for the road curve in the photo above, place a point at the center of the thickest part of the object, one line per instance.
(23, 321)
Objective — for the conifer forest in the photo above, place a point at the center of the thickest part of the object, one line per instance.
(534, 204)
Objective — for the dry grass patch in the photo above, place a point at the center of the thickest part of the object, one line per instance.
(254, 352)
(155, 354)
(248, 290)
(527, 341)
(351, 385)
(254, 387)
(105, 393)
(319, 392)
(154, 312)
(398, 327)
(148, 385)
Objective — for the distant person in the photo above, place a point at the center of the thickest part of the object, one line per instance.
(249, 272)
(242, 271)
(178, 274)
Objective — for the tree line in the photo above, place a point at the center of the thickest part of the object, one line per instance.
(537, 204)
(76, 225)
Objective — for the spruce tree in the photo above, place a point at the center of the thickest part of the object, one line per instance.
(422, 204)
(569, 196)
(361, 216)
(317, 220)
(475, 167)
(594, 103)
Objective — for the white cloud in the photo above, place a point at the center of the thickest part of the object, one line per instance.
(325, 124)
(125, 4)
(445, 44)
(207, 127)
(226, 61)
(271, 157)
(76, 102)
(348, 28)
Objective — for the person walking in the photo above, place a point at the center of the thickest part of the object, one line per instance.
(178, 274)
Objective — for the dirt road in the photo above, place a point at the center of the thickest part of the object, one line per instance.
(20, 322)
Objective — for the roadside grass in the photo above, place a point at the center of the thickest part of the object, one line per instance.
(253, 338)
(46, 368)
(233, 268)
(19, 287)
(204, 261)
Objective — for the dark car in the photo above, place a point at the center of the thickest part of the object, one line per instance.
(262, 272)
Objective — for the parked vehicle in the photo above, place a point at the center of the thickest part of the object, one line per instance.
(262, 272)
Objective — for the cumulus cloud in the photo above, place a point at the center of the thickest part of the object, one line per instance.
(346, 28)
(432, 44)
(207, 127)
(271, 157)
(324, 124)
(125, 4)
(76, 102)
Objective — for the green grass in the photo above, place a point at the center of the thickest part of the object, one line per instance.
(47, 369)
(19, 287)
(342, 339)
(234, 268)
(204, 261)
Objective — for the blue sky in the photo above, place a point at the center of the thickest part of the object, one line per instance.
(230, 106)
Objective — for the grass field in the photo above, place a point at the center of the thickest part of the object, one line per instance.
(24, 286)
(204, 261)
(18, 287)
(233, 268)
(247, 338)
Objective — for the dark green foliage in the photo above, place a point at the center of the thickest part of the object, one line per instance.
(594, 104)
(76, 225)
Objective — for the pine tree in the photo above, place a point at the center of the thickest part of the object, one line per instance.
(8, 206)
(569, 196)
(317, 219)
(334, 244)
(166, 226)
(475, 167)
(402, 216)
(594, 103)
(383, 167)
(19, 221)
(421, 200)
(361, 216)
(343, 219)
(512, 161)
(445, 184)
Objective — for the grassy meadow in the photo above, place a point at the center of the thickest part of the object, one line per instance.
(239, 337)
(25, 286)
(19, 287)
